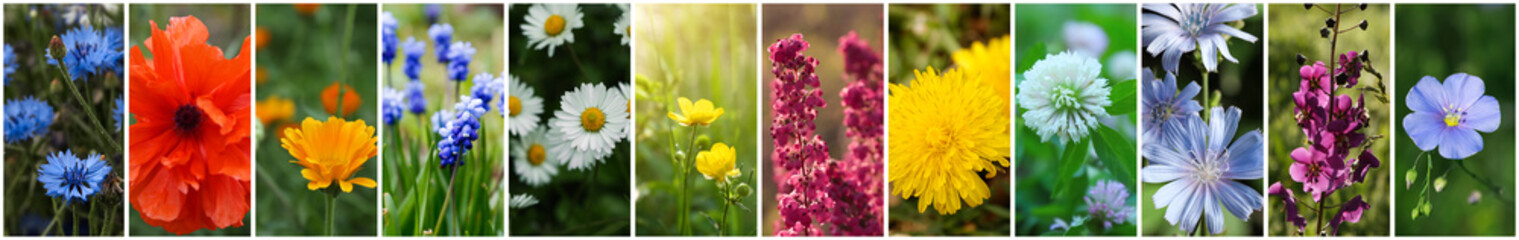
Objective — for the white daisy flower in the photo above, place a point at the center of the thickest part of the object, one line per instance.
(523, 106)
(624, 25)
(529, 154)
(627, 94)
(591, 118)
(572, 159)
(551, 25)
(1064, 95)
(520, 201)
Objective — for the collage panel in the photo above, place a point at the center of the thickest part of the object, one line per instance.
(570, 118)
(1077, 146)
(315, 137)
(698, 128)
(1329, 129)
(1454, 121)
(824, 91)
(64, 135)
(444, 157)
(192, 113)
(1203, 110)
(949, 98)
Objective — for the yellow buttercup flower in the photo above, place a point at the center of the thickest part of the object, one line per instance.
(717, 163)
(331, 151)
(700, 114)
(274, 109)
(944, 131)
(989, 61)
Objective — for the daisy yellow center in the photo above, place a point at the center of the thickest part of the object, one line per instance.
(515, 105)
(592, 119)
(535, 154)
(628, 30)
(554, 25)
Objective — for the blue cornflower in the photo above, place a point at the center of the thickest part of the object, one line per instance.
(1199, 165)
(486, 88)
(1164, 106)
(1449, 116)
(460, 133)
(10, 63)
(91, 52)
(390, 105)
(441, 35)
(1171, 30)
(414, 50)
(388, 37)
(26, 119)
(71, 178)
(117, 112)
(459, 56)
(432, 11)
(415, 98)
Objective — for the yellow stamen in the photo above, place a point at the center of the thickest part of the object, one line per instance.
(535, 154)
(592, 119)
(515, 105)
(554, 25)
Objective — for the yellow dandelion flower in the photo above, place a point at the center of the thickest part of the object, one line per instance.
(944, 131)
(700, 114)
(274, 109)
(990, 62)
(331, 151)
(717, 163)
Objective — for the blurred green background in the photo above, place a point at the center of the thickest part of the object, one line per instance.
(302, 56)
(575, 202)
(227, 25)
(781, 21)
(1295, 30)
(1241, 86)
(1437, 41)
(924, 36)
(696, 51)
(28, 209)
(1041, 31)
(413, 186)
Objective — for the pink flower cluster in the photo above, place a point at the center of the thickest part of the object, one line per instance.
(863, 102)
(1333, 124)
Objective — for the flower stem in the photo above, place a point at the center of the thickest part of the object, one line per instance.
(1320, 224)
(332, 229)
(343, 59)
(576, 58)
(685, 183)
(57, 216)
(88, 110)
(448, 195)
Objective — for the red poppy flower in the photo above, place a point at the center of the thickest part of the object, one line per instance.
(190, 145)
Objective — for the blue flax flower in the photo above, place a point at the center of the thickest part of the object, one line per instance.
(415, 97)
(1199, 166)
(71, 178)
(460, 132)
(459, 56)
(1171, 30)
(414, 50)
(1164, 106)
(390, 105)
(1449, 116)
(91, 52)
(441, 35)
(26, 119)
(388, 39)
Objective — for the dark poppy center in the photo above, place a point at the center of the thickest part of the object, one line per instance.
(187, 117)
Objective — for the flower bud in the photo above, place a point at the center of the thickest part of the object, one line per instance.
(1301, 59)
(1363, 25)
(1307, 6)
(1366, 55)
(1329, 22)
(55, 48)
(1363, 6)
(744, 190)
(1324, 32)
(703, 141)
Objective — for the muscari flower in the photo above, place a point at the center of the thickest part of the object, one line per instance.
(717, 163)
(1199, 165)
(486, 87)
(67, 176)
(431, 11)
(1085, 38)
(531, 160)
(415, 97)
(551, 25)
(413, 64)
(388, 39)
(190, 145)
(1107, 203)
(441, 119)
(26, 119)
(1165, 106)
(591, 118)
(459, 56)
(523, 107)
(1449, 116)
(1064, 95)
(441, 35)
(92, 52)
(624, 25)
(390, 105)
(332, 152)
(274, 109)
(702, 113)
(1171, 30)
(990, 62)
(460, 132)
(351, 100)
(943, 135)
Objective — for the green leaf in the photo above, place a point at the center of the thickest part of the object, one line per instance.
(1124, 97)
(1034, 54)
(1116, 153)
(1074, 157)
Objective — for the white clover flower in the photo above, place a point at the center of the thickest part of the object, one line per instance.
(1085, 38)
(1064, 95)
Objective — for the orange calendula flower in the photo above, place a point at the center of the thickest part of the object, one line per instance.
(274, 109)
(332, 151)
(351, 99)
(260, 38)
(190, 145)
(307, 9)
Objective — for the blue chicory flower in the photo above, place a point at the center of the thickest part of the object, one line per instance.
(1171, 30)
(1200, 166)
